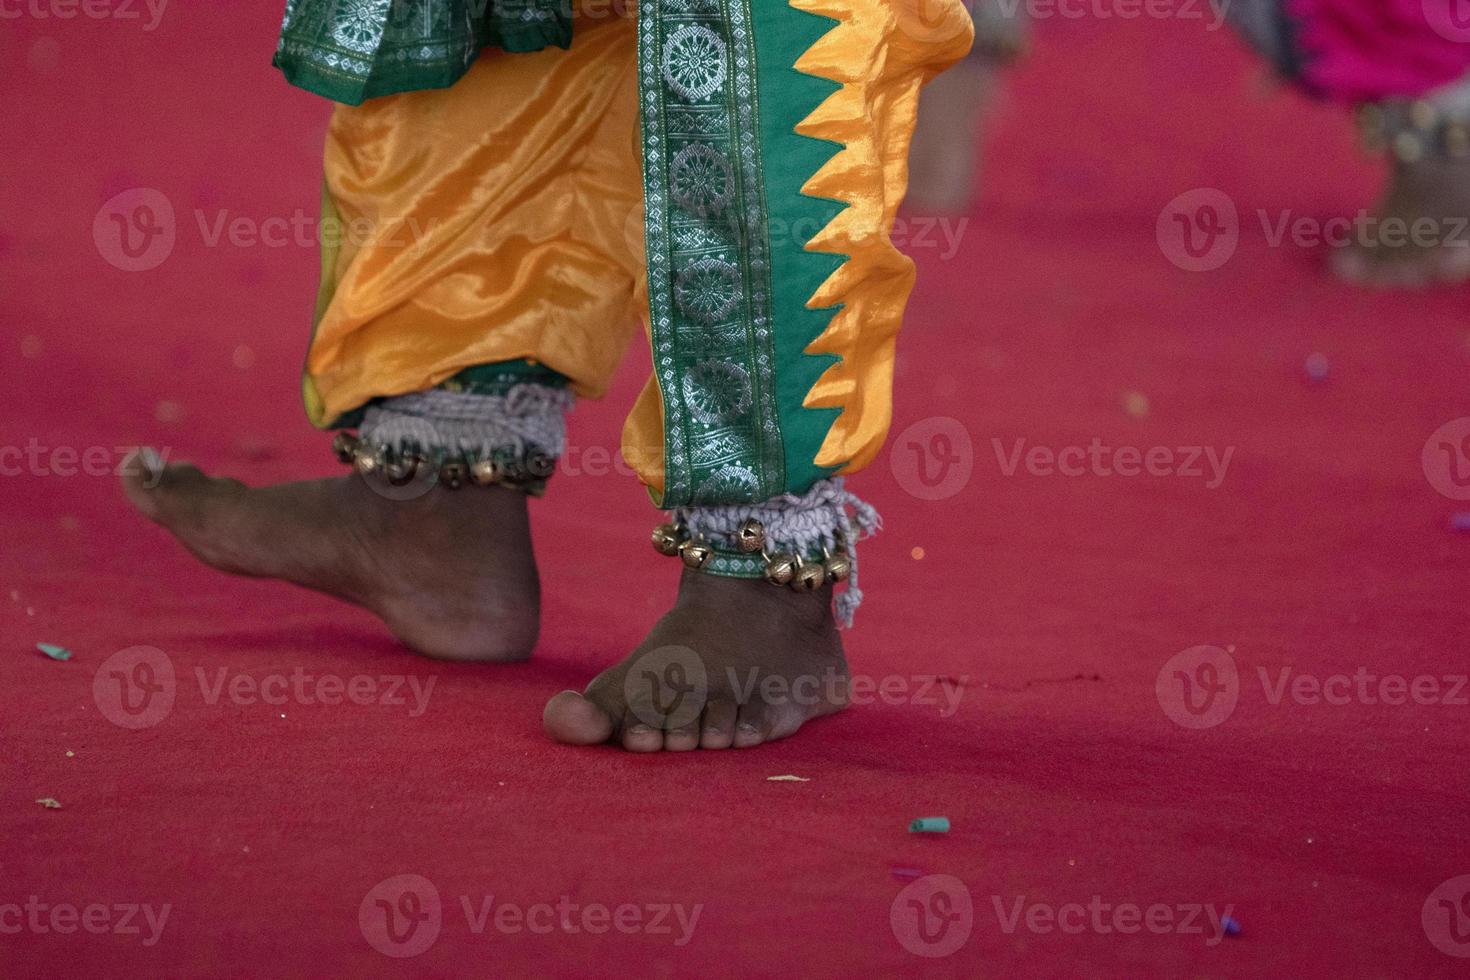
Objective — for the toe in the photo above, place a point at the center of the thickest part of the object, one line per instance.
(639, 736)
(751, 726)
(571, 719)
(151, 486)
(682, 739)
(718, 731)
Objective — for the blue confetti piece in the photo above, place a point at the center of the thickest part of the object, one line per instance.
(930, 825)
(1316, 367)
(1460, 521)
(54, 652)
(1231, 927)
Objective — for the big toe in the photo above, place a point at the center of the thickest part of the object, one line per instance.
(158, 490)
(571, 719)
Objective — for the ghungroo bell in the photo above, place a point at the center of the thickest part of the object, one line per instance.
(344, 446)
(484, 472)
(453, 474)
(750, 537)
(666, 540)
(781, 568)
(400, 469)
(696, 553)
(838, 567)
(810, 576)
(367, 462)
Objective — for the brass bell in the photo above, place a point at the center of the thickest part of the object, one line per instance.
(810, 576)
(1408, 147)
(453, 474)
(781, 568)
(366, 462)
(1457, 141)
(1423, 115)
(484, 472)
(344, 444)
(838, 567)
(666, 540)
(696, 554)
(750, 537)
(401, 469)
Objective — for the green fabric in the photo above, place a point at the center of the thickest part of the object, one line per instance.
(719, 98)
(787, 96)
(353, 50)
(499, 378)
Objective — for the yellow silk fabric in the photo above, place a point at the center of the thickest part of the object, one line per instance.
(883, 52)
(497, 219)
(502, 219)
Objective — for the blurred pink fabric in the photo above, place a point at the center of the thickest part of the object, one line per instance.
(1367, 50)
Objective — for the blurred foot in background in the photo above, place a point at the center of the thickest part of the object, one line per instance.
(1405, 65)
(944, 164)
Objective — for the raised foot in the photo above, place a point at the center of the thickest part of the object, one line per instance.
(735, 663)
(451, 573)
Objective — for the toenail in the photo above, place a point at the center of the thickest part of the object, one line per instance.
(640, 730)
(746, 728)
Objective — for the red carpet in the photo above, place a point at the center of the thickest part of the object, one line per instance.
(1054, 601)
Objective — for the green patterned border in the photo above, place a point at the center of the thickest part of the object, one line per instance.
(719, 96)
(708, 252)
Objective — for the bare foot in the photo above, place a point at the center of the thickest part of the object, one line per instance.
(735, 663)
(451, 572)
(1390, 253)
